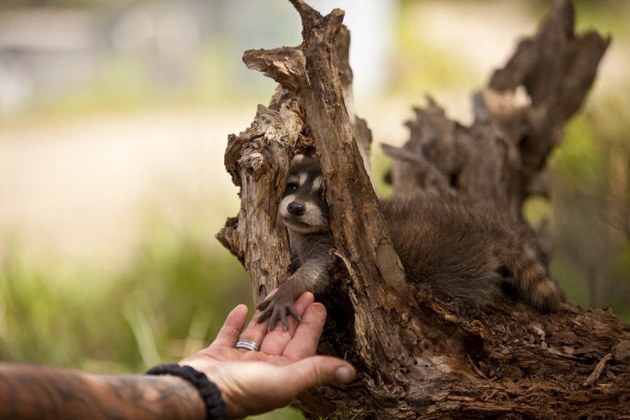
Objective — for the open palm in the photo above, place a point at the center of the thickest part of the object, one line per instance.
(253, 382)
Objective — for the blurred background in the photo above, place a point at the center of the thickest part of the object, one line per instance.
(114, 117)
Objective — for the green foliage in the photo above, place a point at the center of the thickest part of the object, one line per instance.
(170, 301)
(380, 166)
(591, 205)
(423, 67)
(51, 316)
(176, 294)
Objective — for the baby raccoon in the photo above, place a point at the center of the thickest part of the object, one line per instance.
(305, 214)
(463, 253)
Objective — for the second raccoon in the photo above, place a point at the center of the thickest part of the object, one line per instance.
(461, 252)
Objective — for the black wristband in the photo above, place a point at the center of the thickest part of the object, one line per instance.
(210, 394)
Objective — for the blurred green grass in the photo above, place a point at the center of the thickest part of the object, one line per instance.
(170, 300)
(590, 206)
(167, 304)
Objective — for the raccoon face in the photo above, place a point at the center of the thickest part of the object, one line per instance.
(303, 206)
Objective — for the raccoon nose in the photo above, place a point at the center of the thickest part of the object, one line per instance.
(295, 209)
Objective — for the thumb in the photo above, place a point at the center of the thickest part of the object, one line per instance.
(321, 370)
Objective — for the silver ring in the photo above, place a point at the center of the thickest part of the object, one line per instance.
(247, 345)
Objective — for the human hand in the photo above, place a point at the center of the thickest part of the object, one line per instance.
(253, 382)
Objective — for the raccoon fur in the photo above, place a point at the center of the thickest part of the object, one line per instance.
(464, 253)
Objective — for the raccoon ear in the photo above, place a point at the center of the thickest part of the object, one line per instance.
(297, 159)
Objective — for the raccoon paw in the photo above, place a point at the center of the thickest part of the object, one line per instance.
(277, 308)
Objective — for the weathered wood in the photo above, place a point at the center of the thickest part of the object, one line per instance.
(257, 236)
(418, 357)
(369, 261)
(520, 119)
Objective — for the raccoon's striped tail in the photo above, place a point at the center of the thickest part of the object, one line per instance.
(531, 278)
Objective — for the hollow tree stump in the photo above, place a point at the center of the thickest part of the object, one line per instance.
(419, 357)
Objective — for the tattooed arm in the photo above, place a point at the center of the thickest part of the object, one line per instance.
(35, 392)
(251, 382)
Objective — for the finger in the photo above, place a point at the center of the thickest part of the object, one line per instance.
(256, 331)
(304, 341)
(276, 340)
(320, 370)
(229, 332)
(265, 387)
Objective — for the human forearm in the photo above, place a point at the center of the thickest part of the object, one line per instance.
(43, 392)
(250, 382)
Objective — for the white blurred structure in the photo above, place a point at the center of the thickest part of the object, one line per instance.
(43, 51)
(46, 51)
(372, 25)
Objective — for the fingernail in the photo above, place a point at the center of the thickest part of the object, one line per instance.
(344, 374)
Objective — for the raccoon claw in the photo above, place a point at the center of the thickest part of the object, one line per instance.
(279, 317)
(277, 311)
(263, 305)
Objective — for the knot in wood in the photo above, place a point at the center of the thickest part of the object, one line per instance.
(255, 164)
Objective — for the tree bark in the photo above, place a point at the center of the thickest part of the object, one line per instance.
(419, 357)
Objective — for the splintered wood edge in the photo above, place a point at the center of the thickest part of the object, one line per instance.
(287, 66)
